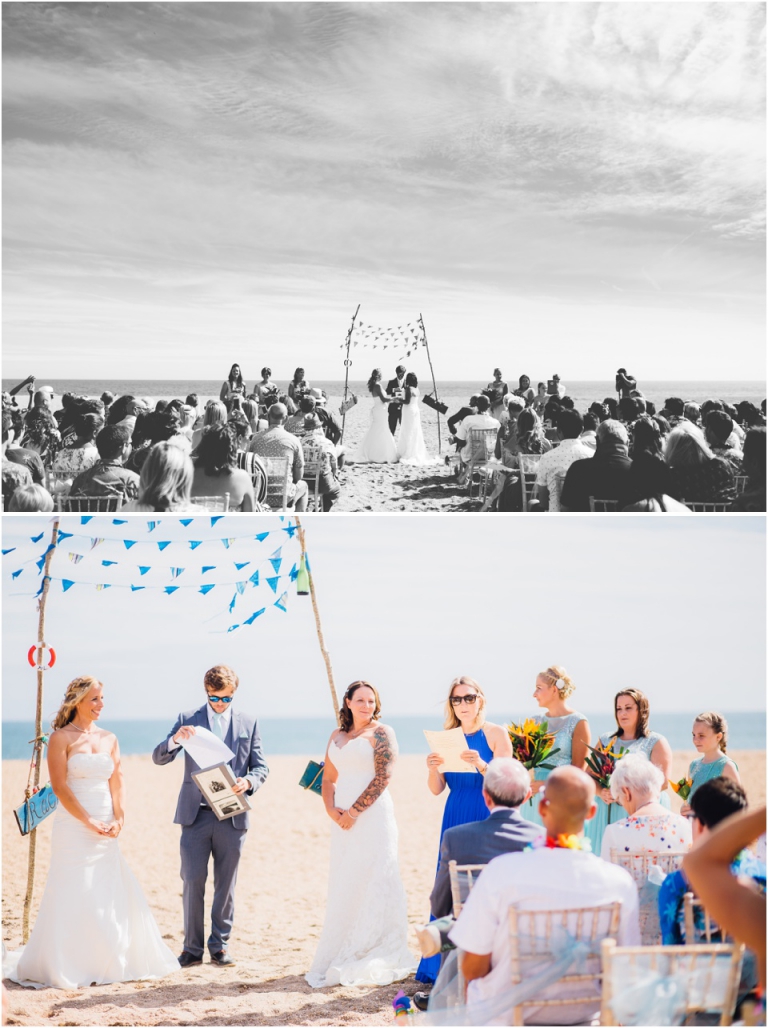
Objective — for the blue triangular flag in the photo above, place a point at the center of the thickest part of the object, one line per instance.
(84, 521)
(119, 521)
(214, 520)
(67, 584)
(144, 568)
(152, 525)
(186, 522)
(40, 563)
(280, 604)
(254, 578)
(6, 552)
(232, 628)
(240, 586)
(272, 583)
(294, 573)
(106, 563)
(129, 543)
(276, 563)
(232, 603)
(42, 586)
(171, 589)
(15, 574)
(136, 588)
(226, 543)
(290, 529)
(207, 567)
(241, 566)
(64, 535)
(252, 618)
(177, 571)
(36, 538)
(162, 546)
(206, 588)
(262, 536)
(194, 544)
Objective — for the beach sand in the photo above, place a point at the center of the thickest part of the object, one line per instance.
(280, 901)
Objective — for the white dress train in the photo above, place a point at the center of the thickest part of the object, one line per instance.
(411, 448)
(378, 445)
(365, 934)
(94, 926)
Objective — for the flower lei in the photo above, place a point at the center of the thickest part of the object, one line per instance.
(565, 842)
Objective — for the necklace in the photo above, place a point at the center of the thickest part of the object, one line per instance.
(354, 735)
(85, 731)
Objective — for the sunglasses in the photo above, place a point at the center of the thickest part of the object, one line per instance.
(220, 699)
(456, 701)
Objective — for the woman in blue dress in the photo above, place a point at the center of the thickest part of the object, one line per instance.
(465, 709)
(631, 710)
(571, 729)
(710, 735)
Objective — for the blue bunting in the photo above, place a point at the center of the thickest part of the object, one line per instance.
(171, 589)
(204, 589)
(252, 618)
(6, 552)
(37, 538)
(162, 546)
(67, 584)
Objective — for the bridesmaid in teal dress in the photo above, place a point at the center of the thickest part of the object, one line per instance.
(710, 735)
(571, 729)
(465, 709)
(631, 710)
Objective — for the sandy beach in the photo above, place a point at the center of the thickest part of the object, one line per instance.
(280, 901)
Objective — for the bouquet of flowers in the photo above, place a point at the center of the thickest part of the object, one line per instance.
(682, 788)
(532, 743)
(601, 762)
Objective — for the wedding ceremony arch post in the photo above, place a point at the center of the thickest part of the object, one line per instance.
(434, 383)
(318, 626)
(347, 366)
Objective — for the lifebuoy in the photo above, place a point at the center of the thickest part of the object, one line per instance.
(43, 646)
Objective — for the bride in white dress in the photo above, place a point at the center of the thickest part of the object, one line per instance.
(365, 935)
(411, 448)
(94, 926)
(378, 445)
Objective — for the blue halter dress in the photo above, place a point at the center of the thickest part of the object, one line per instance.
(563, 727)
(700, 772)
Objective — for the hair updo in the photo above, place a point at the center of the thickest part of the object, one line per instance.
(559, 678)
(76, 692)
(717, 723)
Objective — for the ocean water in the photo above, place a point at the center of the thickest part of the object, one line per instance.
(582, 392)
(308, 736)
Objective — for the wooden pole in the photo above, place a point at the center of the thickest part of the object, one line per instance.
(38, 751)
(319, 627)
(434, 384)
(347, 364)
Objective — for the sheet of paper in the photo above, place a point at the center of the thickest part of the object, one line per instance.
(450, 745)
(207, 749)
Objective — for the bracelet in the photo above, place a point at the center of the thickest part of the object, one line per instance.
(484, 769)
(353, 816)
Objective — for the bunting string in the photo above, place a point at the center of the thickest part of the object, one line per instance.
(400, 340)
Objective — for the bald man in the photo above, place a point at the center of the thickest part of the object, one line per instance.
(541, 879)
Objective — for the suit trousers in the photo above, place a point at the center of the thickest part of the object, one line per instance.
(206, 837)
(394, 416)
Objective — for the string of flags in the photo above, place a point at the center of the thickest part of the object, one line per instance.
(403, 340)
(254, 574)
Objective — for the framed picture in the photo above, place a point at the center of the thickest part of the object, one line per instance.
(215, 783)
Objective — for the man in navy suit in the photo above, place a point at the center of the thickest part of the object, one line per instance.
(506, 786)
(202, 834)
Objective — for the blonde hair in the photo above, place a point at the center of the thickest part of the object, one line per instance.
(166, 477)
(717, 723)
(77, 690)
(451, 721)
(558, 676)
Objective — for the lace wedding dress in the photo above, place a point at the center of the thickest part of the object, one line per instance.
(411, 448)
(94, 926)
(378, 445)
(364, 937)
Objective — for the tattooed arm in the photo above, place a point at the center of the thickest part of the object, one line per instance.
(384, 754)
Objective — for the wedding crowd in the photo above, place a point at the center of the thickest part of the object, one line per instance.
(550, 847)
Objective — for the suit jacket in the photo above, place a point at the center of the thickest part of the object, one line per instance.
(478, 842)
(394, 383)
(242, 738)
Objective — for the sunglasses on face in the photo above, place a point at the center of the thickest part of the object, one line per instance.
(220, 699)
(456, 701)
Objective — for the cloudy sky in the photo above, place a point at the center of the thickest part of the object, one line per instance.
(674, 606)
(571, 186)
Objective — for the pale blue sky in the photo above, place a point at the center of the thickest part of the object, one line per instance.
(188, 184)
(674, 606)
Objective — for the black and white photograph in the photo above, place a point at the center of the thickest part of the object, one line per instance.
(215, 785)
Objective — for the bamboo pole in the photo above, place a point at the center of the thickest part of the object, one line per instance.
(38, 751)
(347, 363)
(434, 384)
(326, 656)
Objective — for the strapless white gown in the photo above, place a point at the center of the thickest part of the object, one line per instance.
(365, 934)
(378, 445)
(94, 926)
(411, 448)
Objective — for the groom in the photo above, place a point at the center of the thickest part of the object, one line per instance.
(202, 834)
(395, 412)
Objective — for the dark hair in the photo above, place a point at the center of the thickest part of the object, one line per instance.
(111, 440)
(664, 426)
(643, 710)
(219, 677)
(119, 409)
(411, 380)
(753, 462)
(307, 404)
(107, 398)
(192, 400)
(161, 405)
(483, 403)
(646, 436)
(217, 449)
(716, 800)
(375, 377)
(599, 410)
(709, 405)
(266, 372)
(345, 714)
(613, 407)
(87, 425)
(590, 422)
(298, 375)
(566, 403)
(569, 424)
(628, 409)
(675, 405)
(719, 424)
(239, 378)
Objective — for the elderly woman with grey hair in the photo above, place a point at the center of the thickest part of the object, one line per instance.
(649, 827)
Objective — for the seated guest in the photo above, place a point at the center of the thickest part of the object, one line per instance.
(151, 427)
(696, 475)
(649, 474)
(41, 435)
(589, 430)
(674, 410)
(31, 498)
(559, 875)
(480, 420)
(549, 416)
(753, 465)
(506, 786)
(81, 453)
(506, 441)
(165, 483)
(712, 802)
(295, 423)
(107, 476)
(693, 413)
(636, 784)
(251, 412)
(458, 417)
(605, 476)
(718, 431)
(314, 437)
(216, 470)
(124, 410)
(558, 460)
(30, 459)
(749, 415)
(14, 475)
(276, 443)
(530, 433)
(215, 413)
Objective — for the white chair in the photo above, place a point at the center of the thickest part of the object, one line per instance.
(604, 506)
(278, 469)
(639, 864)
(719, 505)
(256, 468)
(90, 504)
(529, 466)
(532, 935)
(707, 977)
(557, 488)
(690, 903)
(463, 877)
(480, 445)
(741, 484)
(214, 503)
(314, 461)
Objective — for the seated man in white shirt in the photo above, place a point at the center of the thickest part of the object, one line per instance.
(480, 420)
(557, 461)
(543, 878)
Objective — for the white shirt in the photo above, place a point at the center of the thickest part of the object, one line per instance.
(540, 879)
(474, 421)
(664, 833)
(225, 719)
(556, 462)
